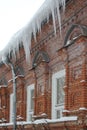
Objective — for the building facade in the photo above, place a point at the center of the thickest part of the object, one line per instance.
(51, 91)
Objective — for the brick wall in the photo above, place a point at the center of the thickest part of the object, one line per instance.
(71, 58)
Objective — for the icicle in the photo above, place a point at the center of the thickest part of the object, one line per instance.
(53, 16)
(4, 60)
(54, 23)
(17, 48)
(63, 4)
(38, 23)
(26, 43)
(25, 34)
(34, 30)
(47, 16)
(14, 54)
(58, 13)
(17, 42)
(9, 51)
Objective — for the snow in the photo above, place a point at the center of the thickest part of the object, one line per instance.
(82, 108)
(71, 118)
(24, 35)
(41, 121)
(19, 117)
(68, 42)
(82, 81)
(66, 111)
(43, 114)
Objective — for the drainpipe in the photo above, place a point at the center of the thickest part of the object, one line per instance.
(14, 96)
(7, 61)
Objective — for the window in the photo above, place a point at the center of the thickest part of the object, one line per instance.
(30, 102)
(11, 107)
(58, 94)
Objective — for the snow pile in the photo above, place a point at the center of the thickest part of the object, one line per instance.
(24, 35)
(41, 121)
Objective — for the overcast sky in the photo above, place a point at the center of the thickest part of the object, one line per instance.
(14, 14)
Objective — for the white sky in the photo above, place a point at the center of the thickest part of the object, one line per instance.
(14, 14)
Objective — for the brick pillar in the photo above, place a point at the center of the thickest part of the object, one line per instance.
(21, 106)
(75, 88)
(84, 83)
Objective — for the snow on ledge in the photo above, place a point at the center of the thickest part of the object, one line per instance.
(18, 123)
(83, 108)
(71, 118)
(66, 111)
(24, 35)
(41, 121)
(82, 81)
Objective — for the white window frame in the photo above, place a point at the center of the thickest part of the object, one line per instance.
(29, 111)
(56, 76)
(11, 107)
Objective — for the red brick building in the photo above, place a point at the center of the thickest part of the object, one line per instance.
(53, 86)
